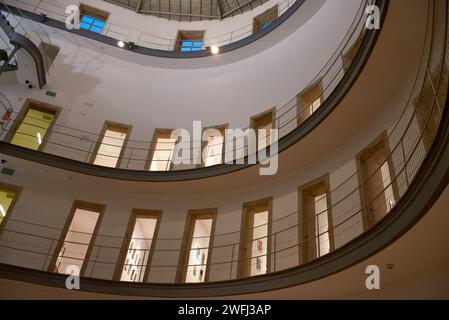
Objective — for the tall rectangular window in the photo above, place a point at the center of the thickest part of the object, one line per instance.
(161, 150)
(111, 145)
(197, 247)
(189, 41)
(92, 19)
(309, 101)
(351, 53)
(316, 234)
(263, 20)
(31, 128)
(255, 238)
(77, 238)
(377, 187)
(266, 122)
(213, 143)
(8, 196)
(138, 246)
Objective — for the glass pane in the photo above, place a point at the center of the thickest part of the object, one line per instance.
(84, 25)
(87, 19)
(214, 151)
(187, 43)
(77, 240)
(199, 250)
(321, 225)
(259, 244)
(162, 154)
(32, 129)
(197, 43)
(196, 49)
(95, 29)
(186, 49)
(110, 148)
(6, 198)
(99, 23)
(139, 250)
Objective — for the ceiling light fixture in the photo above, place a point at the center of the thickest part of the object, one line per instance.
(121, 44)
(214, 49)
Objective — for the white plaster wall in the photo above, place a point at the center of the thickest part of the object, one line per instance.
(48, 201)
(94, 83)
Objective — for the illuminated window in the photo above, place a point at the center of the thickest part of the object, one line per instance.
(213, 146)
(315, 220)
(349, 56)
(263, 20)
(76, 243)
(189, 41)
(92, 19)
(255, 244)
(378, 189)
(111, 145)
(7, 197)
(195, 258)
(33, 124)
(161, 150)
(139, 243)
(309, 101)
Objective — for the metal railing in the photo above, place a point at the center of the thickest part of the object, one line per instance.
(18, 21)
(82, 145)
(142, 38)
(356, 205)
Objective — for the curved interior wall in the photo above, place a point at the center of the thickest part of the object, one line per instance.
(93, 86)
(47, 201)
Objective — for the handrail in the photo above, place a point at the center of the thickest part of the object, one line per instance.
(120, 31)
(427, 101)
(80, 144)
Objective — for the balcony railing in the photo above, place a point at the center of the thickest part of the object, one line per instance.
(141, 38)
(409, 140)
(82, 145)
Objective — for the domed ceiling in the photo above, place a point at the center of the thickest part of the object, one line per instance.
(190, 10)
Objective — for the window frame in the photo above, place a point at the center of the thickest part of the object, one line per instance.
(256, 120)
(36, 105)
(107, 124)
(96, 14)
(222, 128)
(305, 99)
(135, 214)
(268, 16)
(189, 228)
(244, 262)
(17, 192)
(189, 35)
(381, 140)
(162, 133)
(310, 187)
(83, 205)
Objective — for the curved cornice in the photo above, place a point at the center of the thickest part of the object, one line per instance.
(285, 142)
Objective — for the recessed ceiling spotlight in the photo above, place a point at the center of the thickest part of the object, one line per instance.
(121, 44)
(214, 49)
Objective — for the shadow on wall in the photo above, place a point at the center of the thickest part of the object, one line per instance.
(79, 74)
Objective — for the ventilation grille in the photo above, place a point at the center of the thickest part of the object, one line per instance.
(8, 171)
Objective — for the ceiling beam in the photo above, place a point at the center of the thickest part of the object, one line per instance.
(178, 14)
(218, 9)
(239, 7)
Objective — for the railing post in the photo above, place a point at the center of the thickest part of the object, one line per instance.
(232, 261)
(95, 261)
(47, 255)
(274, 253)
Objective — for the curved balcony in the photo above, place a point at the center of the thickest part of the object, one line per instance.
(419, 171)
(73, 149)
(144, 42)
